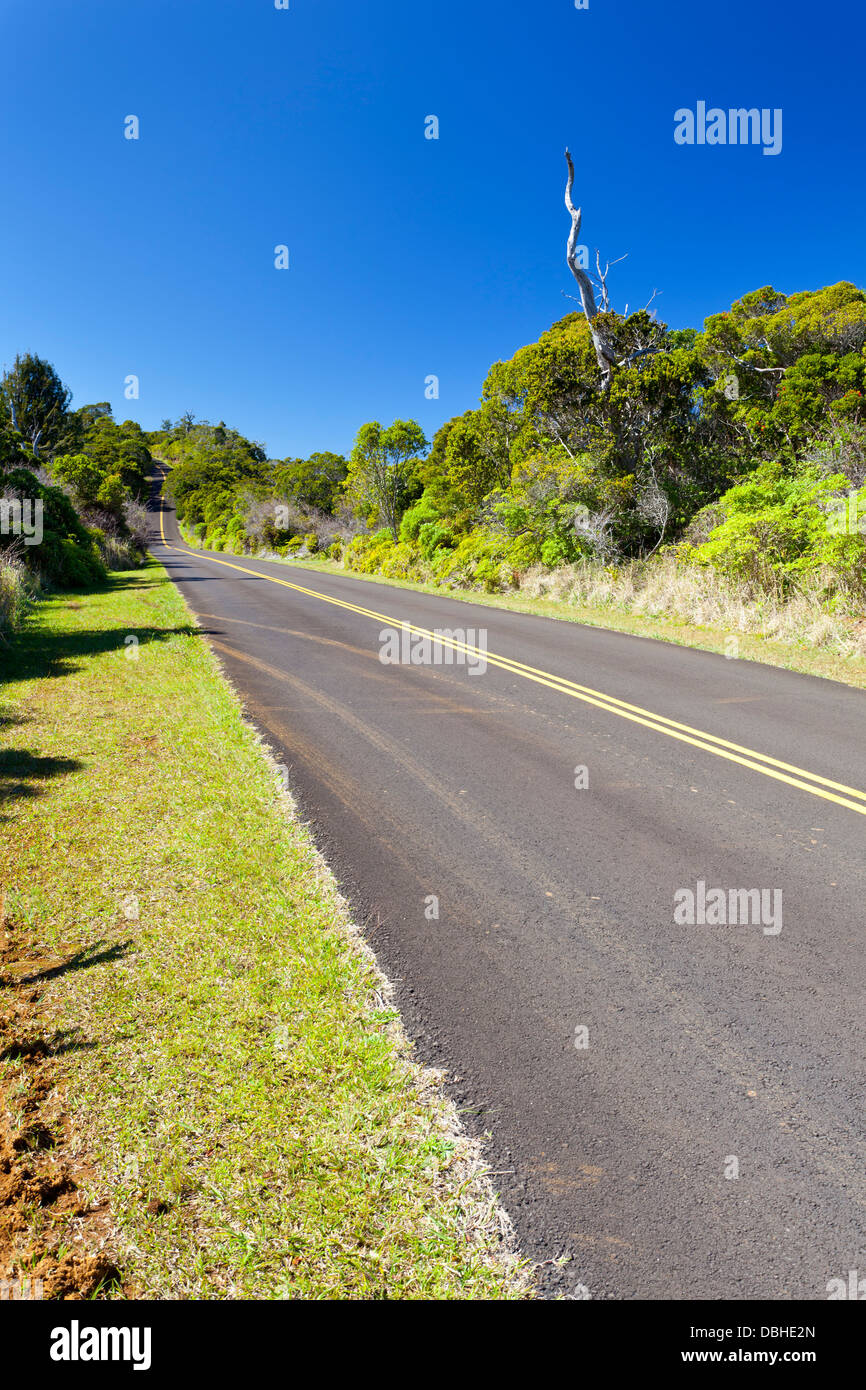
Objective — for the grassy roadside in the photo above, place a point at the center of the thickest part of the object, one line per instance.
(232, 1093)
(750, 646)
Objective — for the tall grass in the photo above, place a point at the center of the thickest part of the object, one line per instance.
(119, 552)
(17, 590)
(816, 613)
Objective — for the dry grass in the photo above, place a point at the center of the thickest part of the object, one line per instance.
(666, 588)
(17, 589)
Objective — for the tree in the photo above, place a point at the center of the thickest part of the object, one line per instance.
(608, 353)
(313, 482)
(383, 478)
(87, 415)
(68, 555)
(471, 457)
(36, 403)
(81, 473)
(121, 450)
(626, 441)
(784, 366)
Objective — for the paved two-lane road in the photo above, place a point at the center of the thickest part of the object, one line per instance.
(626, 1066)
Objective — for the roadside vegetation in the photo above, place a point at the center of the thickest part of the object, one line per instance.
(205, 1089)
(715, 475)
(72, 489)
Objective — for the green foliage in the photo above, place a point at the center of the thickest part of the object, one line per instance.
(367, 553)
(480, 560)
(470, 458)
(67, 556)
(434, 536)
(314, 483)
(213, 468)
(383, 476)
(35, 402)
(778, 526)
(106, 465)
(116, 450)
(784, 366)
(557, 465)
(422, 512)
(90, 485)
(637, 436)
(704, 443)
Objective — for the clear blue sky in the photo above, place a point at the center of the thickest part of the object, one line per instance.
(408, 257)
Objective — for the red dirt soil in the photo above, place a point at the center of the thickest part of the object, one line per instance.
(48, 1231)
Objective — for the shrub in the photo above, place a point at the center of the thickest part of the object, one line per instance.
(68, 556)
(398, 561)
(433, 536)
(119, 553)
(366, 553)
(556, 551)
(479, 561)
(778, 527)
(17, 590)
(422, 514)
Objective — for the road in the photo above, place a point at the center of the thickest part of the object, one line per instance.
(677, 1107)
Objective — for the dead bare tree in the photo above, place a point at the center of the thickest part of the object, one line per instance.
(605, 352)
(601, 282)
(605, 355)
(653, 504)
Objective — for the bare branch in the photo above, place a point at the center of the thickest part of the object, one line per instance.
(604, 354)
(641, 352)
(601, 283)
(580, 275)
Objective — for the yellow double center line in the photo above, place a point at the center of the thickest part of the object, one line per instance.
(850, 797)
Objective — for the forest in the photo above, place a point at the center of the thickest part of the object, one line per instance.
(616, 458)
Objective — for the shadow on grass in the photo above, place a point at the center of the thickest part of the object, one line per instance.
(38, 652)
(81, 960)
(8, 721)
(65, 1040)
(121, 581)
(21, 771)
(126, 579)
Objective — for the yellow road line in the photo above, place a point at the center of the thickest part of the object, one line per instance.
(659, 723)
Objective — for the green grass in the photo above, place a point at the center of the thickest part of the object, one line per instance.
(232, 1061)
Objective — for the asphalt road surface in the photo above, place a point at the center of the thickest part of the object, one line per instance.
(675, 1104)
